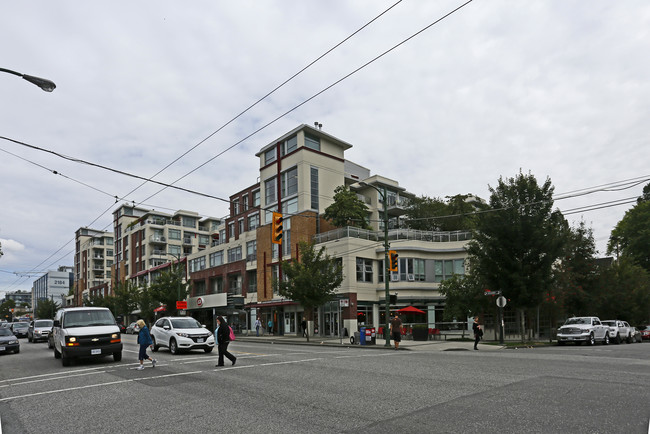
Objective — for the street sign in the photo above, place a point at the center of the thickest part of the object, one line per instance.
(344, 302)
(501, 301)
(181, 305)
(488, 292)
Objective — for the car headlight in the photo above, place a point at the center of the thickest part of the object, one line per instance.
(13, 342)
(183, 335)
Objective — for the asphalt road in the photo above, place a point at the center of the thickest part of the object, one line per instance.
(317, 389)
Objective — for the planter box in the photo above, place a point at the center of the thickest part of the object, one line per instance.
(420, 334)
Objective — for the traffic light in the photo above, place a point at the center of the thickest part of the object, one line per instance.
(393, 260)
(276, 231)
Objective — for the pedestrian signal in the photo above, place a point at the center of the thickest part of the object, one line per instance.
(276, 230)
(393, 260)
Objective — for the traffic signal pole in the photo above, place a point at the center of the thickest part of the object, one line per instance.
(387, 272)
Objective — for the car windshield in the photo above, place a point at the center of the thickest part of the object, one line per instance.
(609, 323)
(186, 323)
(21, 325)
(88, 318)
(644, 327)
(5, 332)
(43, 323)
(578, 321)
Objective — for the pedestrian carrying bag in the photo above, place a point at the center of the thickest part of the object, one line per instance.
(232, 334)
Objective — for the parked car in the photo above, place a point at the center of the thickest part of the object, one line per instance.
(122, 327)
(8, 341)
(132, 328)
(85, 332)
(181, 334)
(39, 330)
(19, 329)
(645, 332)
(587, 329)
(619, 331)
(636, 335)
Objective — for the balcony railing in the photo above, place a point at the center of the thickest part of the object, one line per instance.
(157, 239)
(393, 234)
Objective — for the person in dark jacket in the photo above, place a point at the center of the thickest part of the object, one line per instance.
(222, 335)
(478, 333)
(144, 339)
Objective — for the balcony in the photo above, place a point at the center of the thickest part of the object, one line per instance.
(157, 239)
(187, 240)
(393, 234)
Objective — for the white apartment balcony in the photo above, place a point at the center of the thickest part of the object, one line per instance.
(155, 238)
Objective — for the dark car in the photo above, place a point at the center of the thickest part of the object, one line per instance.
(122, 327)
(39, 330)
(20, 329)
(8, 341)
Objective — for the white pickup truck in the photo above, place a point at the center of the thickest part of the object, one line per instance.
(587, 329)
(619, 331)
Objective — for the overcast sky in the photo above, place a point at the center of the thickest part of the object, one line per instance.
(558, 88)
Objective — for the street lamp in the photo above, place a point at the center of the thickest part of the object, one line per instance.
(43, 83)
(382, 192)
(179, 274)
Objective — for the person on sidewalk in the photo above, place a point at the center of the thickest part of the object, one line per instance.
(222, 334)
(478, 332)
(270, 324)
(396, 330)
(258, 325)
(144, 339)
(303, 325)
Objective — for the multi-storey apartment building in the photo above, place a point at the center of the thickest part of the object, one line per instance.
(54, 285)
(298, 175)
(93, 262)
(148, 241)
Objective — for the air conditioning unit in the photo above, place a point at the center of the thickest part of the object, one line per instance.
(394, 277)
(411, 278)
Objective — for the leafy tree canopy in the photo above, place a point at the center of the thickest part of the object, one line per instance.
(312, 280)
(434, 214)
(169, 288)
(46, 308)
(464, 296)
(347, 209)
(631, 236)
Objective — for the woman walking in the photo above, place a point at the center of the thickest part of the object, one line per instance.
(144, 339)
(222, 334)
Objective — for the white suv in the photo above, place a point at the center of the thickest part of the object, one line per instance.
(181, 333)
(85, 332)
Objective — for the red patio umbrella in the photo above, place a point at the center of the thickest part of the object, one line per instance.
(410, 309)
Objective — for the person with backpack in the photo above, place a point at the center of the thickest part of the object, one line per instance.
(223, 336)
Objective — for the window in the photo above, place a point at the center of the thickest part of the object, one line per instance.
(289, 183)
(231, 230)
(109, 252)
(244, 202)
(234, 254)
(364, 270)
(174, 250)
(240, 225)
(253, 221)
(197, 264)
(314, 188)
(445, 269)
(174, 234)
(235, 206)
(204, 240)
(189, 222)
(222, 235)
(251, 251)
(269, 156)
(289, 145)
(252, 280)
(256, 198)
(290, 206)
(234, 284)
(312, 142)
(286, 238)
(270, 191)
(216, 258)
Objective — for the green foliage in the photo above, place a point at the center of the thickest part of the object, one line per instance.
(515, 246)
(623, 292)
(125, 298)
(147, 302)
(168, 288)
(434, 214)
(5, 309)
(312, 280)
(420, 211)
(631, 236)
(46, 308)
(347, 209)
(463, 296)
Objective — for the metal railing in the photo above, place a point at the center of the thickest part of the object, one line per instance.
(393, 234)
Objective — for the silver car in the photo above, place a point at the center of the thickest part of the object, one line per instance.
(39, 330)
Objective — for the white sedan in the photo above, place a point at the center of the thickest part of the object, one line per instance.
(181, 334)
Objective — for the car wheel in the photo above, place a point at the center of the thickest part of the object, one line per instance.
(617, 339)
(57, 355)
(117, 356)
(173, 347)
(208, 350)
(629, 339)
(17, 350)
(592, 340)
(606, 340)
(155, 347)
(65, 360)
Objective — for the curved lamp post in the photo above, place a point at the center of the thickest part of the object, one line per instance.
(179, 272)
(43, 83)
(382, 192)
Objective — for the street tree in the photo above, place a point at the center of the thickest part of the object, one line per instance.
(126, 298)
(5, 309)
(516, 244)
(464, 297)
(623, 291)
(147, 302)
(347, 209)
(424, 213)
(631, 236)
(168, 287)
(46, 308)
(312, 280)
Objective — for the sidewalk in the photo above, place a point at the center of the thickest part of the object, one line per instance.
(409, 345)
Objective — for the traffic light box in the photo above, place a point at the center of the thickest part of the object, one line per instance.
(276, 229)
(392, 255)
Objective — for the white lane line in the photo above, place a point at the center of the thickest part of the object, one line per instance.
(131, 380)
(49, 375)
(52, 379)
